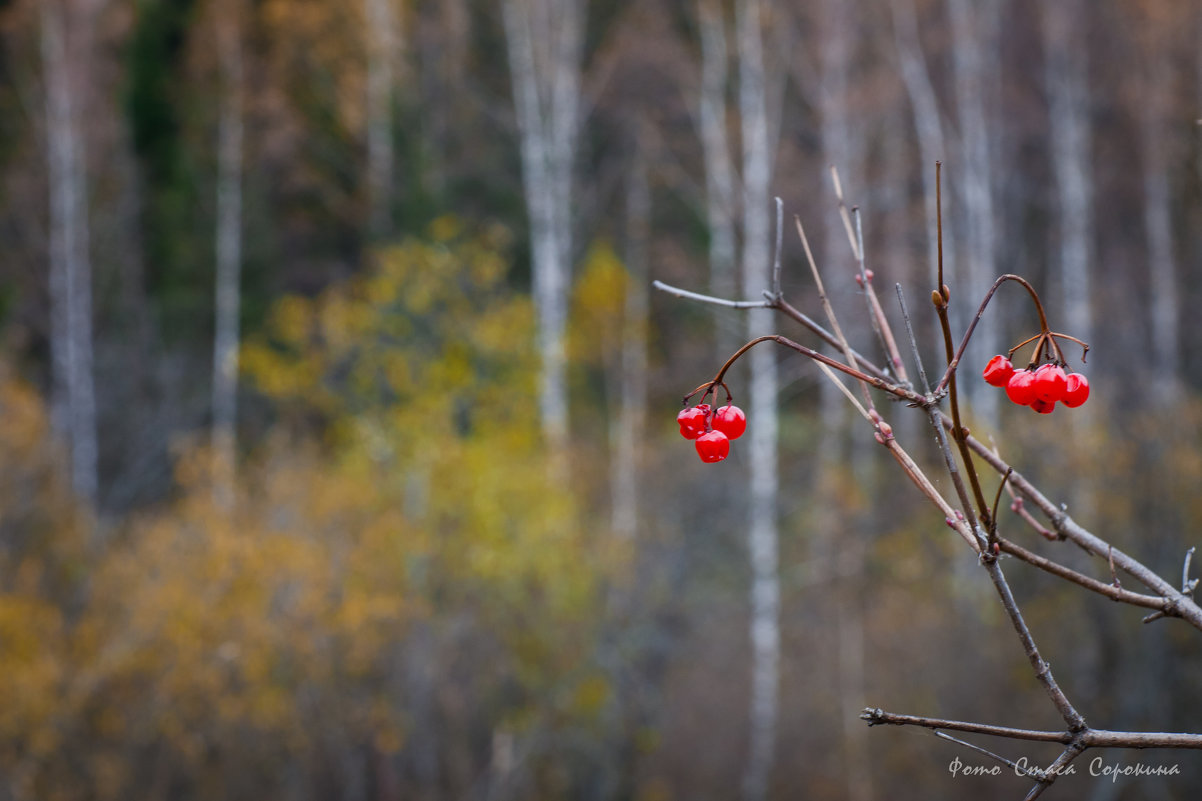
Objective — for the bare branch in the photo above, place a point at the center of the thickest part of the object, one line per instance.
(871, 380)
(880, 323)
(1188, 585)
(848, 353)
(878, 717)
(1053, 771)
(1080, 579)
(843, 213)
(922, 373)
(731, 304)
(1043, 671)
(1087, 738)
(1179, 604)
(776, 293)
(1017, 768)
(847, 393)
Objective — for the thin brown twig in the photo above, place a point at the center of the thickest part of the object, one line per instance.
(1016, 767)
(880, 325)
(879, 383)
(1053, 771)
(827, 308)
(1043, 671)
(933, 414)
(1080, 579)
(1088, 738)
(730, 304)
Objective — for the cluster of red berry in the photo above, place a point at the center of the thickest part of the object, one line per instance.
(1038, 387)
(712, 432)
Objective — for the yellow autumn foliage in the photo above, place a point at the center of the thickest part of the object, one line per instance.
(404, 492)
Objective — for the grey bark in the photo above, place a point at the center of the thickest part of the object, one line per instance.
(928, 122)
(73, 396)
(1067, 78)
(763, 489)
(630, 421)
(720, 201)
(381, 38)
(228, 252)
(1158, 229)
(974, 60)
(544, 39)
(841, 147)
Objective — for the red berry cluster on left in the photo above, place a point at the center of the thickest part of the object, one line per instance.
(712, 431)
(1040, 387)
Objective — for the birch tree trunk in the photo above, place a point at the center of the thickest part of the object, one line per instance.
(70, 275)
(544, 39)
(927, 120)
(228, 252)
(974, 48)
(841, 146)
(1158, 228)
(720, 199)
(627, 431)
(1067, 79)
(762, 493)
(381, 39)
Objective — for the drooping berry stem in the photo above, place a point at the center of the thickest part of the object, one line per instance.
(901, 392)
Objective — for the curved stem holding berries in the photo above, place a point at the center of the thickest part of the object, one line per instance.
(859, 375)
(1045, 332)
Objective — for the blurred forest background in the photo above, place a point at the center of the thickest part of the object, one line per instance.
(337, 443)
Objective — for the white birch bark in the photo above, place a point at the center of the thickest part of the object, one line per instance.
(720, 200)
(927, 120)
(70, 274)
(544, 39)
(627, 431)
(974, 57)
(228, 253)
(1158, 228)
(381, 37)
(841, 147)
(762, 532)
(1068, 105)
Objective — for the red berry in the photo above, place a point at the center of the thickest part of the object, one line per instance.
(731, 421)
(1050, 382)
(1021, 387)
(997, 373)
(1076, 390)
(692, 422)
(713, 446)
(1043, 406)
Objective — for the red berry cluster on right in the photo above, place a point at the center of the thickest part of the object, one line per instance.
(1040, 387)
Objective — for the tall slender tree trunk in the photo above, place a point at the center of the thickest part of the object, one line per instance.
(974, 58)
(381, 38)
(544, 39)
(720, 201)
(1067, 78)
(627, 431)
(762, 493)
(70, 276)
(228, 252)
(841, 147)
(927, 120)
(1158, 228)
